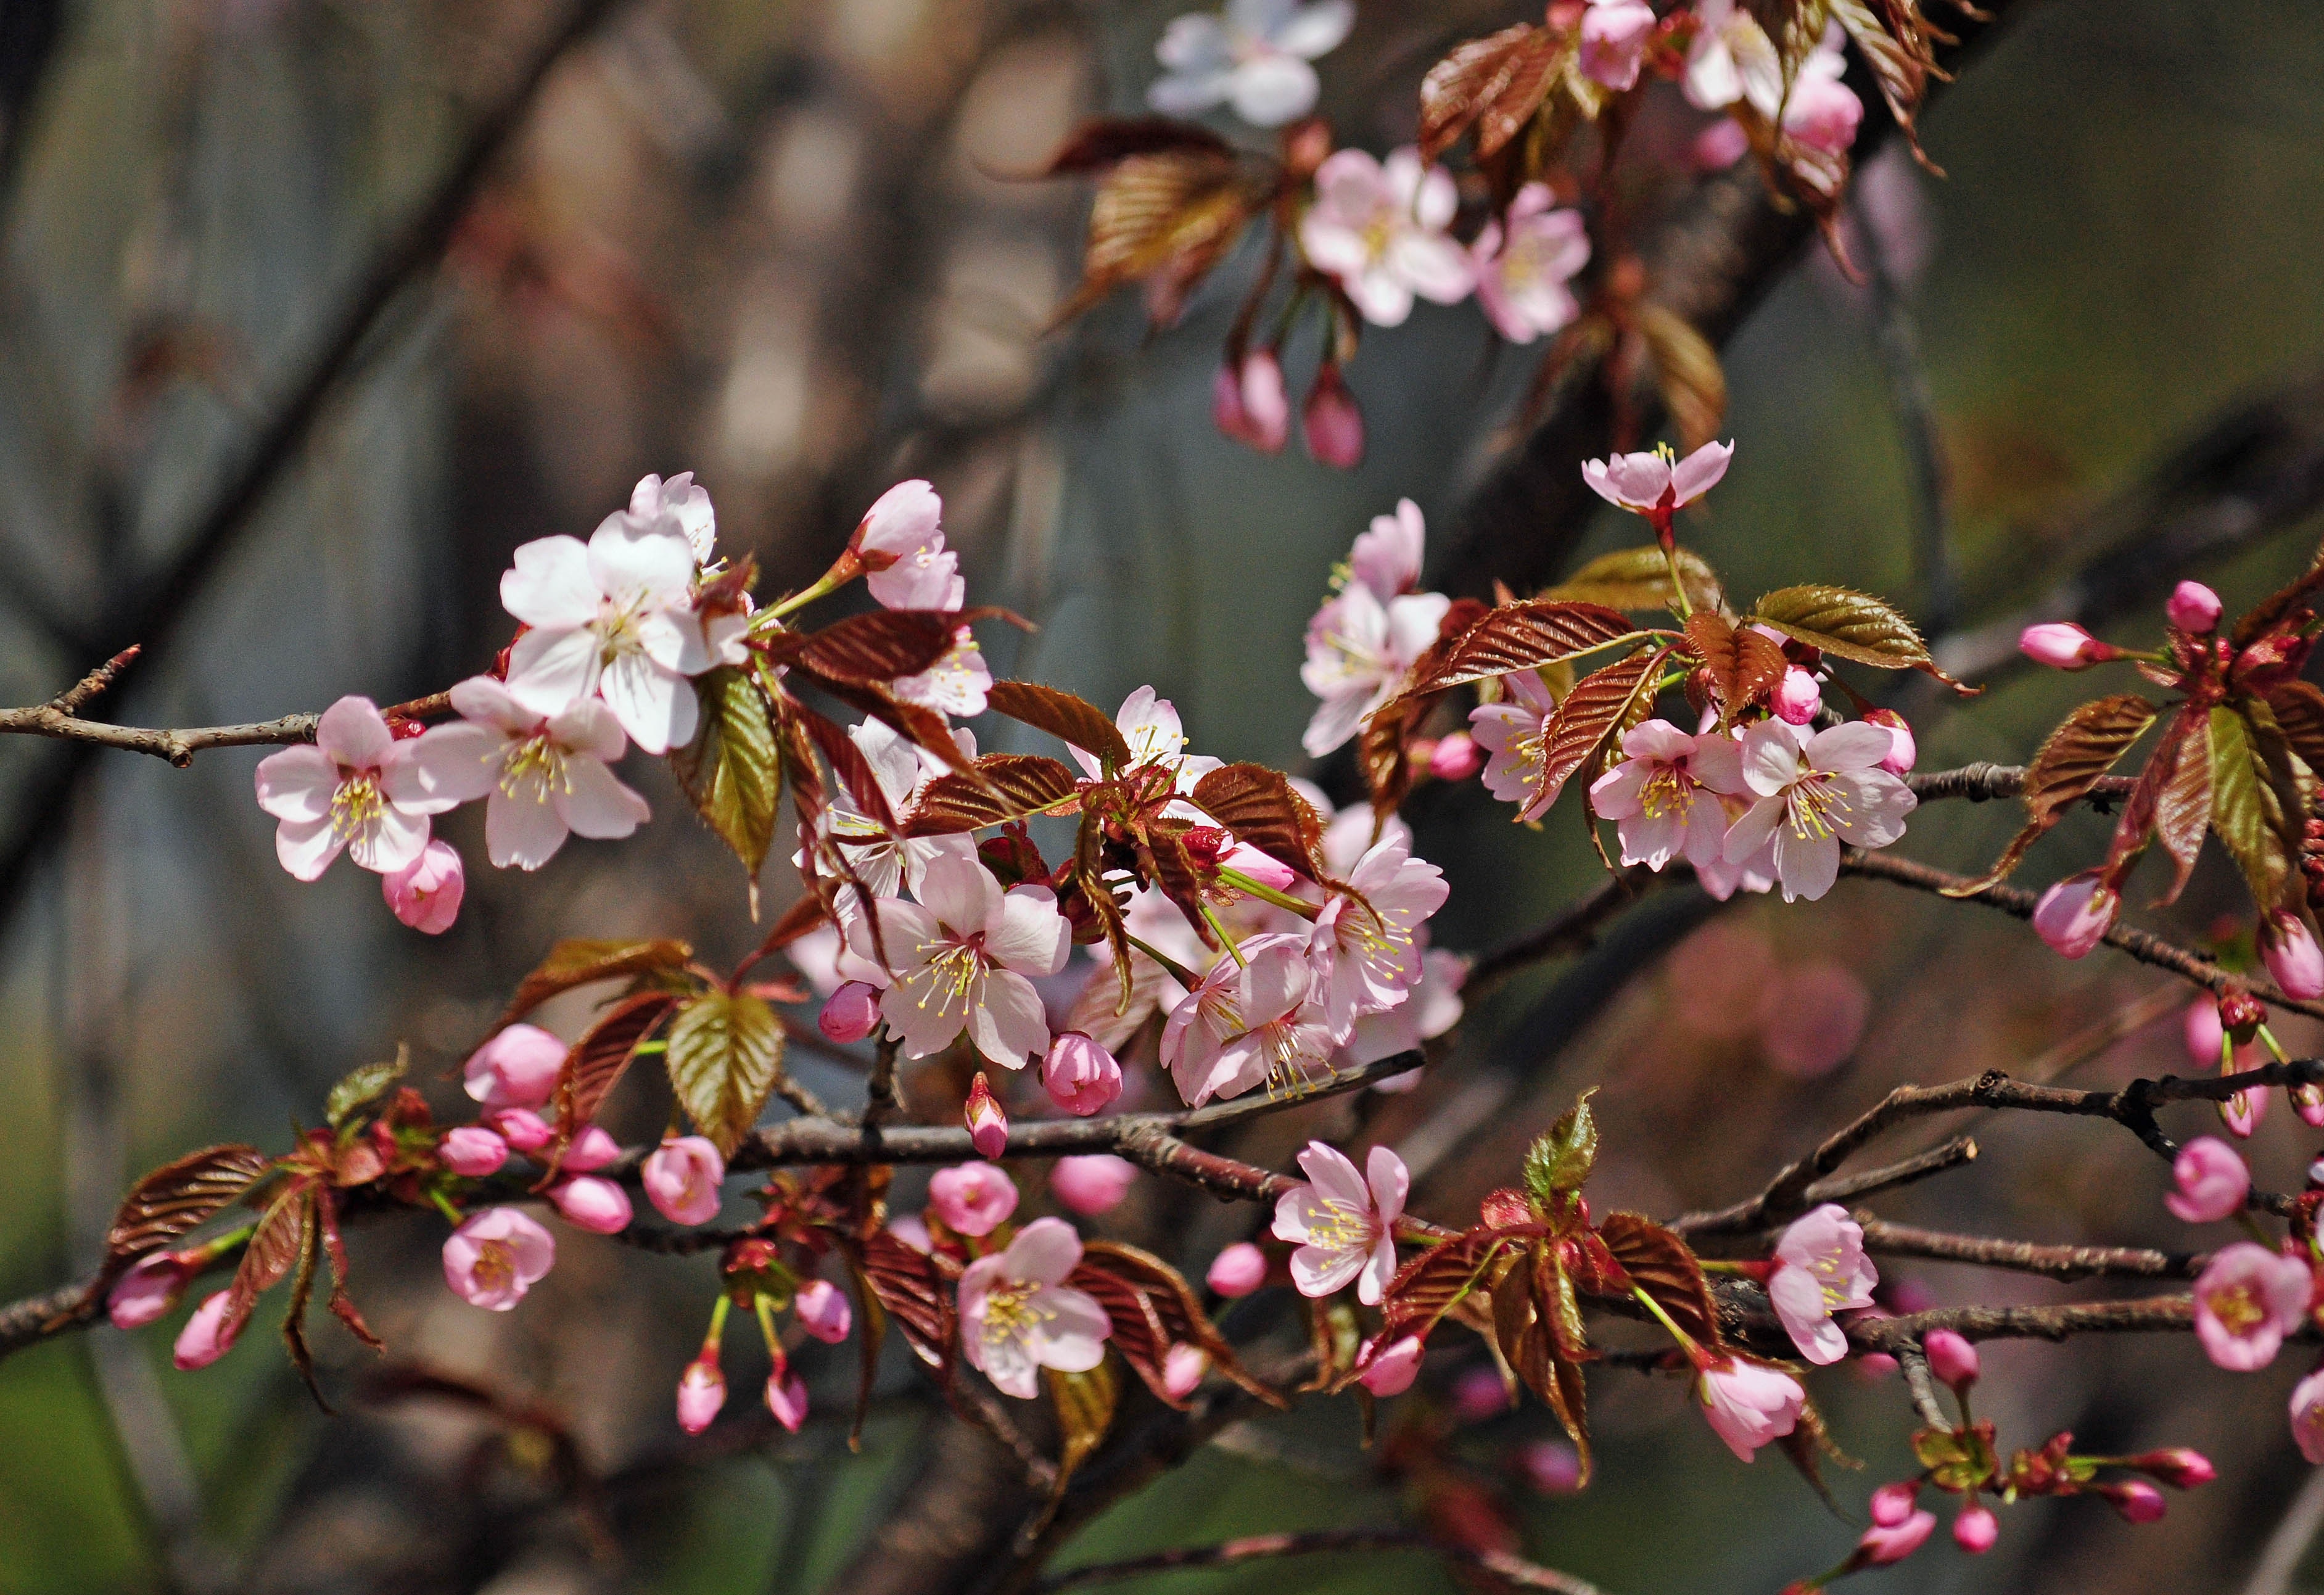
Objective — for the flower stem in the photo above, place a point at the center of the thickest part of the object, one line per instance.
(1682, 605)
(444, 1205)
(218, 1246)
(710, 1342)
(830, 582)
(1686, 1343)
(1226, 936)
(1176, 970)
(1268, 894)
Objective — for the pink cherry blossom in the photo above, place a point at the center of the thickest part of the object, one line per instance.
(1237, 1271)
(2308, 1416)
(1663, 796)
(2137, 1500)
(613, 618)
(471, 1151)
(1248, 1025)
(1256, 58)
(516, 1068)
(882, 861)
(2074, 914)
(1150, 727)
(2205, 1038)
(2242, 1112)
(1455, 757)
(592, 1149)
(1250, 404)
(2288, 947)
(543, 778)
(1366, 958)
(1333, 423)
(987, 1120)
(961, 961)
(2062, 646)
(786, 1399)
(1821, 1270)
(902, 546)
(683, 1179)
(1389, 1371)
(912, 1229)
(1359, 649)
(1343, 1223)
(1883, 1546)
(1732, 58)
(972, 1198)
(851, 1013)
(148, 1291)
(208, 1335)
(701, 1392)
(1814, 797)
(1903, 749)
(1093, 1185)
(1749, 1405)
(522, 1129)
(587, 1202)
(1511, 732)
(2246, 1302)
(823, 1311)
(1657, 484)
(1951, 1358)
(496, 1256)
(1525, 260)
(1081, 1076)
(425, 894)
(1820, 112)
(1717, 146)
(1182, 1367)
(1266, 870)
(1431, 1007)
(1892, 1504)
(2193, 608)
(2180, 1467)
(1018, 1316)
(1614, 37)
(1380, 228)
(1386, 557)
(356, 789)
(2212, 1182)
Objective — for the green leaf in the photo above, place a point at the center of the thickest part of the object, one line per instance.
(580, 962)
(2072, 759)
(1559, 1162)
(732, 770)
(1849, 625)
(1640, 578)
(724, 1054)
(363, 1086)
(2242, 806)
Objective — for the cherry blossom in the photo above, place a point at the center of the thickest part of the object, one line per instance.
(1150, 727)
(2212, 1182)
(614, 617)
(1749, 1405)
(1820, 112)
(901, 546)
(987, 1120)
(2246, 1302)
(208, 1335)
(148, 1291)
(881, 861)
(1883, 1545)
(1663, 796)
(1094, 1184)
(1333, 423)
(1732, 58)
(1821, 1270)
(356, 789)
(787, 1397)
(957, 684)
(701, 1392)
(516, 1068)
(2137, 1500)
(1343, 1223)
(2074, 914)
(2193, 608)
(2308, 1416)
(1359, 647)
(1952, 1359)
(960, 961)
(1657, 484)
(1080, 1075)
(471, 1151)
(496, 1256)
(2288, 947)
(587, 1202)
(1510, 732)
(1389, 1370)
(1256, 58)
(1523, 261)
(1237, 1271)
(543, 778)
(851, 1013)
(1250, 404)
(1812, 797)
(426, 893)
(1797, 700)
(1250, 1024)
(1614, 37)
(1552, 1467)
(1892, 1504)
(1362, 945)
(1455, 757)
(1903, 751)
(822, 1310)
(1432, 1006)
(1182, 1367)
(592, 1148)
(683, 1179)
(1380, 228)
(1018, 1316)
(972, 1198)
(679, 505)
(2063, 645)
(522, 1129)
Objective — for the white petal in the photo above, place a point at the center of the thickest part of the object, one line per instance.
(1007, 1023)
(448, 765)
(1189, 94)
(550, 585)
(627, 564)
(1271, 90)
(1315, 30)
(307, 847)
(1032, 937)
(522, 832)
(352, 733)
(298, 784)
(589, 727)
(1194, 43)
(1044, 1252)
(1807, 865)
(483, 700)
(391, 841)
(654, 704)
(550, 670)
(596, 805)
(962, 894)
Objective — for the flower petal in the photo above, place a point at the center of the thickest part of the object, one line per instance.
(551, 585)
(1044, 1252)
(523, 832)
(552, 669)
(352, 733)
(596, 805)
(298, 784)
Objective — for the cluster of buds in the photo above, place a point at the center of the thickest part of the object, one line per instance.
(755, 1277)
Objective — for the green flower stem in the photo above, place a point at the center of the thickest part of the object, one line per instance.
(1268, 894)
(210, 1250)
(710, 1342)
(444, 1205)
(1687, 1343)
(1177, 970)
(1226, 936)
(1682, 605)
(802, 598)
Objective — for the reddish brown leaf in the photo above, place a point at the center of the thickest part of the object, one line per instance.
(854, 771)
(1165, 217)
(1504, 75)
(1153, 1310)
(169, 1203)
(1521, 637)
(1600, 708)
(1432, 1284)
(1260, 807)
(923, 727)
(1014, 785)
(1073, 720)
(1383, 752)
(2085, 745)
(872, 648)
(1744, 665)
(2299, 708)
(1659, 1263)
(598, 1061)
(274, 1249)
(1895, 43)
(572, 963)
(335, 1248)
(1687, 372)
(2270, 611)
(1095, 145)
(912, 1292)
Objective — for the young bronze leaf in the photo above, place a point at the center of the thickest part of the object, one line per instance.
(302, 1292)
(2270, 611)
(909, 1286)
(1095, 145)
(1437, 1281)
(1497, 72)
(1640, 578)
(2183, 804)
(335, 1248)
(1260, 807)
(1524, 637)
(1558, 1163)
(1383, 755)
(1073, 720)
(731, 769)
(598, 1060)
(921, 726)
(2299, 708)
(2073, 759)
(274, 1249)
(169, 1203)
(1744, 665)
(1152, 1309)
(1015, 785)
(572, 963)
(1851, 625)
(1085, 1403)
(853, 771)
(1559, 1383)
(1895, 43)
(1659, 1263)
(2243, 809)
(1600, 707)
(725, 1053)
(361, 1087)
(871, 649)
(1171, 215)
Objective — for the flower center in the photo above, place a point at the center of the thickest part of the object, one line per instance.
(495, 1269)
(1342, 1226)
(1291, 1062)
(358, 804)
(1668, 790)
(2237, 1308)
(951, 978)
(1011, 1311)
(1814, 806)
(534, 769)
(617, 629)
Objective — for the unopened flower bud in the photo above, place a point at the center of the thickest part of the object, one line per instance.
(2241, 1013)
(2205, 1038)
(2242, 1112)
(851, 1013)
(683, 1179)
(1249, 403)
(2288, 947)
(1456, 757)
(2177, 1466)
(1882, 1545)
(516, 1068)
(786, 1399)
(1080, 1075)
(203, 1340)
(1264, 868)
(2193, 608)
(1237, 1271)
(701, 1392)
(1553, 1467)
(1903, 751)
(1950, 1358)
(2063, 645)
(2212, 1182)
(2308, 1101)
(147, 1291)
(988, 1125)
(1092, 1185)
(1182, 1367)
(1893, 1503)
(472, 1150)
(1975, 1530)
(1389, 1371)
(823, 1311)
(972, 1198)
(1797, 697)
(2073, 916)
(591, 1149)
(588, 1203)
(1334, 422)
(2137, 1500)
(522, 1129)
(425, 894)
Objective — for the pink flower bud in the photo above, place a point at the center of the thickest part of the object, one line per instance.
(988, 1125)
(205, 1340)
(2193, 608)
(2212, 1182)
(522, 1129)
(682, 1177)
(1477, 1395)
(1334, 422)
(1552, 1467)
(1950, 1358)
(1080, 1075)
(2206, 1040)
(2242, 1112)
(1975, 1530)
(786, 1399)
(588, 1203)
(148, 1290)
(1092, 1185)
(1239, 1271)
(472, 1150)
(1265, 405)
(2063, 645)
(426, 893)
(591, 1149)
(1264, 868)
(823, 1311)
(2308, 1416)
(1182, 1367)
(1797, 696)
(1880, 1545)
(851, 1013)
(1892, 1504)
(2137, 1500)
(2177, 1467)
(1903, 749)
(496, 1256)
(1872, 1367)
(972, 1198)
(1389, 1371)
(701, 1392)
(2289, 950)
(516, 1068)
(2308, 1101)
(2073, 916)
(1456, 757)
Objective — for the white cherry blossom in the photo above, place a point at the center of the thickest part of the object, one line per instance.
(1812, 798)
(960, 961)
(355, 789)
(1255, 58)
(543, 776)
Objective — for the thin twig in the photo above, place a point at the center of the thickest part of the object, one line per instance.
(2146, 1315)
(1906, 1171)
(881, 1101)
(1501, 1567)
(1983, 782)
(2027, 1257)
(1921, 1383)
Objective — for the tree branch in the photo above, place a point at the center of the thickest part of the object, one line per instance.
(2026, 1257)
(1498, 1566)
(1982, 783)
(2146, 1315)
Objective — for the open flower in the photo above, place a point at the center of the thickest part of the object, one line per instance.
(1663, 796)
(1732, 58)
(1151, 728)
(1366, 960)
(1249, 1024)
(543, 778)
(1358, 647)
(425, 894)
(1379, 230)
(1822, 112)
(1523, 261)
(960, 961)
(1749, 1404)
(497, 1255)
(1017, 1315)
(355, 789)
(957, 684)
(881, 861)
(2246, 1302)
(1510, 732)
(679, 506)
(614, 617)
(1255, 59)
(1656, 484)
(900, 541)
(1343, 1223)
(1814, 797)
(1614, 36)
(1821, 1270)
(972, 1198)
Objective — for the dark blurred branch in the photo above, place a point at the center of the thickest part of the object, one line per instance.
(1499, 1567)
(1883, 1239)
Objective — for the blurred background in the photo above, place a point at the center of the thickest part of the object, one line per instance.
(311, 310)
